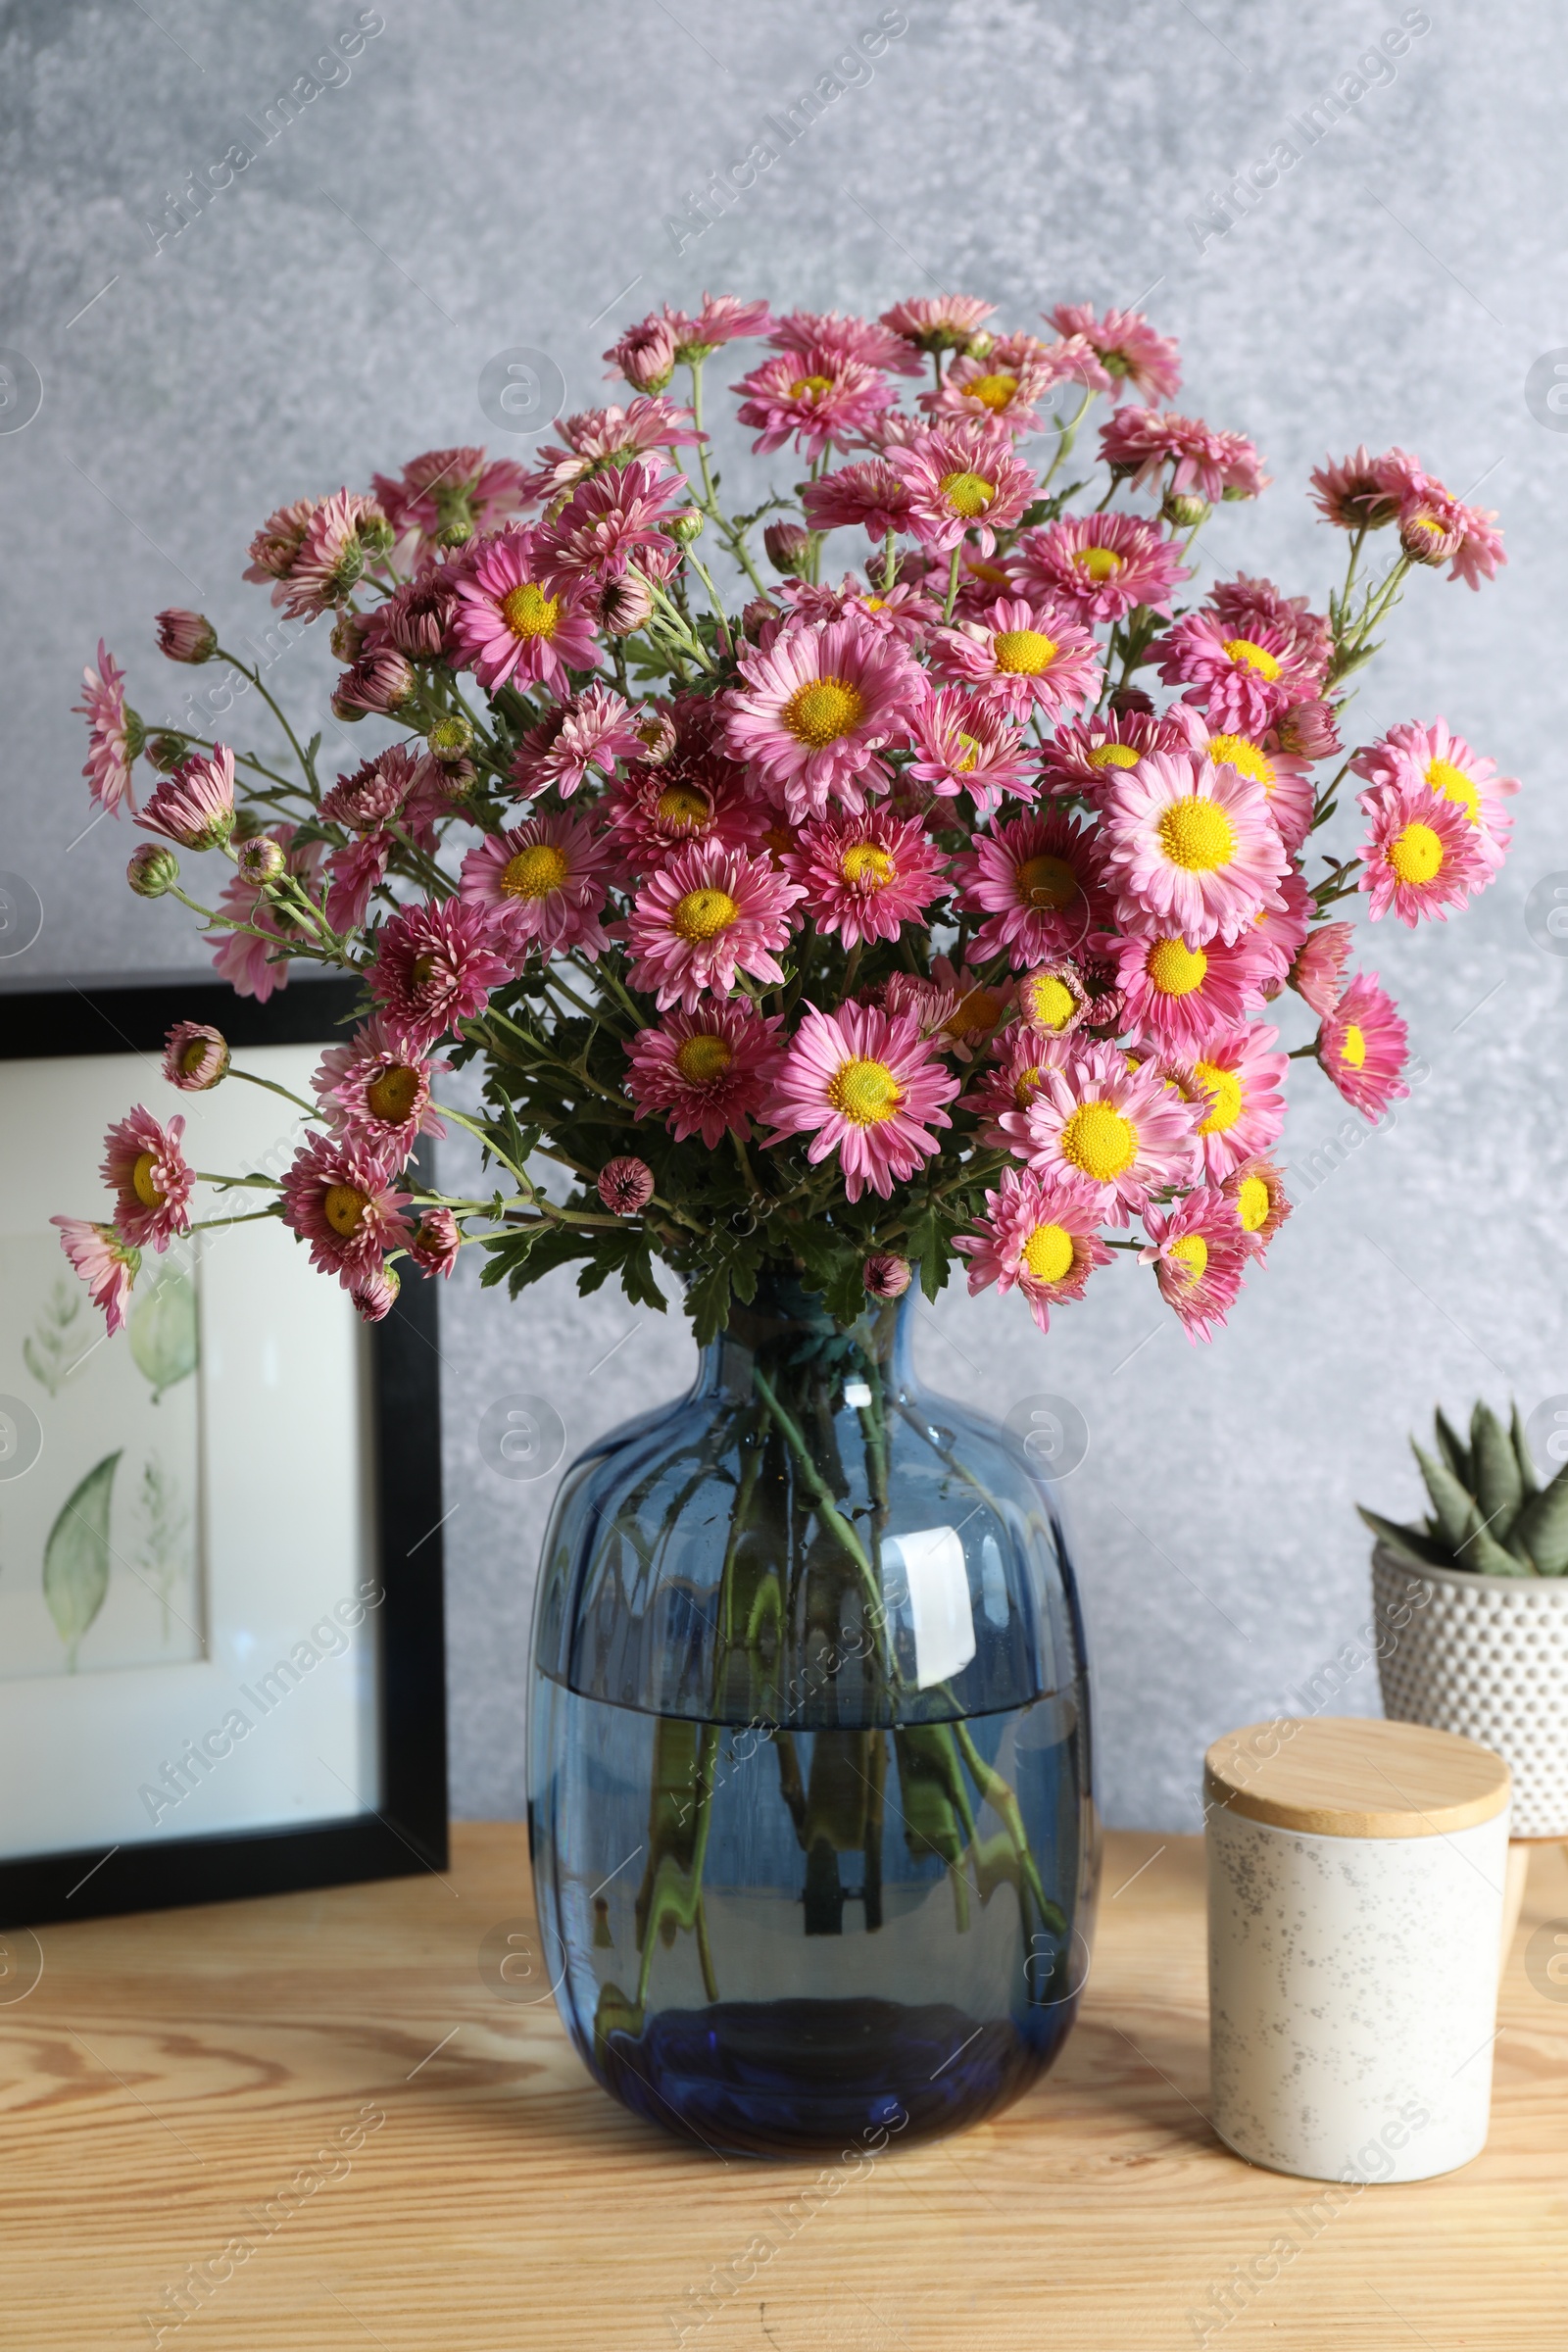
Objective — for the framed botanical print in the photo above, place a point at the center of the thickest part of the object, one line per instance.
(220, 1555)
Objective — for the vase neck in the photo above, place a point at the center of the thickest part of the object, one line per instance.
(787, 1329)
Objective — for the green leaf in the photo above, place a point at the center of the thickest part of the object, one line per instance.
(162, 1331)
(1409, 1542)
(1449, 1501)
(1499, 1487)
(1542, 1527)
(76, 1558)
(519, 1258)
(1482, 1552)
(1529, 1482)
(707, 1304)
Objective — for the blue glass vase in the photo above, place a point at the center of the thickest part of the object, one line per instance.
(810, 1816)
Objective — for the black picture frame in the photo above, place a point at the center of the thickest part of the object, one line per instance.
(47, 1019)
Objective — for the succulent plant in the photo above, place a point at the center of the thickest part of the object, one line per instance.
(1489, 1512)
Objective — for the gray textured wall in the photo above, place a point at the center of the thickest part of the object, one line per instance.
(494, 175)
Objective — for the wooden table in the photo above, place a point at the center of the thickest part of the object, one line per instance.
(173, 2083)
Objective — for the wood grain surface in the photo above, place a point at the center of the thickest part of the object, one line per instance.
(1348, 1776)
(173, 2083)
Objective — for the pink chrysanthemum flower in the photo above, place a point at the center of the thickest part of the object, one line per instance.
(195, 804)
(722, 318)
(644, 354)
(656, 811)
(1234, 1083)
(107, 1263)
(869, 495)
(905, 611)
(589, 732)
(867, 1087)
(1122, 1130)
(1198, 1253)
(850, 338)
(542, 885)
(886, 1275)
(1174, 995)
(611, 520)
(150, 1178)
(864, 877)
(1256, 1190)
(938, 322)
(1009, 1081)
(974, 1008)
(1245, 604)
(278, 543)
(446, 495)
(1286, 779)
(1190, 847)
(341, 1200)
(966, 743)
(355, 872)
(1362, 1045)
(373, 795)
(1100, 565)
(341, 537)
(436, 1242)
(1079, 758)
(374, 1292)
(513, 622)
(195, 1056)
(381, 681)
(1444, 762)
(375, 1090)
(1241, 683)
(1037, 881)
(1421, 855)
(115, 732)
(1033, 659)
(1277, 932)
(1318, 972)
(707, 1071)
(707, 915)
(1436, 527)
(1040, 1234)
(992, 393)
(1307, 731)
(257, 966)
(1139, 443)
(962, 477)
(598, 437)
(817, 708)
(1363, 493)
(626, 1185)
(417, 619)
(821, 398)
(1054, 998)
(435, 966)
(184, 636)
(1127, 347)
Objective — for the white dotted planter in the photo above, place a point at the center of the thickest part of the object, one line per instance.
(1486, 1656)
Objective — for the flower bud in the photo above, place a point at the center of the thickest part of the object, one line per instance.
(788, 545)
(375, 1295)
(152, 870)
(684, 527)
(195, 1056)
(656, 731)
(981, 345)
(186, 636)
(626, 1185)
(1180, 508)
(1127, 700)
(261, 861)
(1427, 537)
(886, 1275)
(757, 616)
(348, 635)
(1232, 494)
(625, 603)
(451, 738)
(375, 535)
(166, 752)
(248, 822)
(379, 681)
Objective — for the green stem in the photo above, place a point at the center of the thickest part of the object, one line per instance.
(255, 677)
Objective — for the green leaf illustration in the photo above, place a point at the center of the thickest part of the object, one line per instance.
(161, 1332)
(76, 1558)
(56, 1346)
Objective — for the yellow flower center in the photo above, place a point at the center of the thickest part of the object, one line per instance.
(343, 1206)
(821, 712)
(190, 1059)
(1192, 1251)
(1114, 755)
(1224, 1090)
(1196, 835)
(1049, 1001)
(1252, 1204)
(1254, 656)
(422, 971)
(1048, 1252)
(141, 1182)
(1023, 653)
(1455, 785)
(1353, 1047)
(1099, 1141)
(701, 1060)
(866, 867)
(810, 385)
(865, 1092)
(703, 915)
(1025, 1087)
(534, 873)
(1099, 563)
(981, 1009)
(528, 612)
(1174, 967)
(1046, 882)
(971, 752)
(967, 494)
(682, 804)
(991, 391)
(392, 1094)
(1240, 753)
(874, 604)
(1416, 854)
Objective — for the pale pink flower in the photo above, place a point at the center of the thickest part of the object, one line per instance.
(600, 437)
(707, 1071)
(975, 1007)
(1122, 1131)
(992, 393)
(375, 1089)
(115, 732)
(867, 1087)
(1174, 995)
(611, 521)
(864, 877)
(655, 810)
(1198, 1251)
(645, 354)
(906, 612)
(1363, 493)
(435, 966)
(446, 495)
(822, 397)
(436, 1243)
(1139, 443)
(1285, 778)
(1307, 730)
(195, 804)
(542, 885)
(817, 708)
(1080, 757)
(962, 477)
(513, 622)
(1256, 1190)
(1037, 881)
(374, 1292)
(850, 338)
(356, 871)
(1235, 1085)
(373, 794)
(184, 636)
(626, 1185)
(1436, 527)
(1245, 604)
(1040, 1234)
(150, 1178)
(1032, 658)
(1127, 347)
(1190, 847)
(278, 543)
(1362, 1045)
(340, 1198)
(1318, 972)
(107, 1263)
(1278, 931)
(343, 534)
(886, 1275)
(707, 915)
(722, 318)
(1410, 753)
(1054, 998)
(195, 1056)
(1241, 683)
(1101, 565)
(938, 322)
(589, 732)
(1421, 855)
(1021, 1056)
(964, 742)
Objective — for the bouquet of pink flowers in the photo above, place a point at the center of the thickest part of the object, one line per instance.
(850, 922)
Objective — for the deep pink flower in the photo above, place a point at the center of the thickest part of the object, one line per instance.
(817, 708)
(374, 794)
(435, 966)
(1037, 880)
(340, 1198)
(1410, 753)
(446, 495)
(866, 876)
(1241, 683)
(962, 477)
(1010, 1080)
(1362, 492)
(107, 1263)
(1079, 758)
(1175, 995)
(987, 391)
(184, 636)
(974, 1007)
(1436, 527)
(375, 1090)
(342, 535)
(655, 810)
(612, 519)
(1234, 1083)
(1198, 1251)
(850, 338)
(706, 915)
(1422, 854)
(115, 732)
(374, 1292)
(1307, 730)
(1277, 932)
(1100, 565)
(707, 1071)
(600, 437)
(542, 885)
(938, 322)
(589, 732)
(1257, 1192)
(1040, 1233)
(1318, 972)
(436, 1242)
(886, 1275)
(626, 1185)
(150, 1178)
(195, 804)
(356, 870)
(1244, 604)
(1122, 1131)
(1190, 847)
(195, 1056)
(869, 495)
(513, 622)
(722, 318)
(1127, 347)
(967, 742)
(1362, 1045)
(417, 619)
(1032, 658)
(1139, 443)
(824, 398)
(867, 1087)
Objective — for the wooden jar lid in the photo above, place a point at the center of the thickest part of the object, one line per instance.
(1346, 1776)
